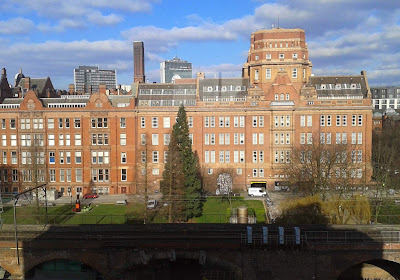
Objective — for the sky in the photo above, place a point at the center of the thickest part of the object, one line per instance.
(52, 37)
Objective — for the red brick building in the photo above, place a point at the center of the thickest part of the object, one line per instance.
(248, 127)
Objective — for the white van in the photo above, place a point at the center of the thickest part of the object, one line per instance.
(257, 192)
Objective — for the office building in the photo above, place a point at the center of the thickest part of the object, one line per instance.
(171, 70)
(249, 127)
(87, 79)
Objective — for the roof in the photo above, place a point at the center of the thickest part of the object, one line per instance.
(36, 83)
(223, 88)
(340, 85)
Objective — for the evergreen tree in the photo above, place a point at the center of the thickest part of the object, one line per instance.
(188, 167)
(172, 182)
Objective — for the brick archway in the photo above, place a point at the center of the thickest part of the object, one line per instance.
(391, 267)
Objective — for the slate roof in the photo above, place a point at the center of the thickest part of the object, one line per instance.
(337, 82)
(223, 87)
(36, 83)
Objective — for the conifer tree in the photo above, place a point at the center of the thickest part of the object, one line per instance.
(188, 167)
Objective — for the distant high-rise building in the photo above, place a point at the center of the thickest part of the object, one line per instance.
(138, 62)
(88, 78)
(170, 70)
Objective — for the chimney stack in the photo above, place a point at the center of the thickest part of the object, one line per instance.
(138, 62)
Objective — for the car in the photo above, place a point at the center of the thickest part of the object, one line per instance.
(90, 195)
(151, 204)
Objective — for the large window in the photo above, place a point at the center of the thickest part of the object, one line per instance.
(122, 138)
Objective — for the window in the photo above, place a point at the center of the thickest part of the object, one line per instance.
(255, 138)
(309, 138)
(254, 156)
(322, 138)
(221, 121)
(67, 140)
(190, 122)
(360, 120)
(221, 138)
(255, 172)
(235, 121)
(142, 122)
(14, 159)
(154, 139)
(155, 157)
(26, 140)
(25, 123)
(241, 121)
(256, 75)
(287, 138)
(212, 138)
(344, 120)
(338, 120)
(77, 123)
(143, 139)
(261, 138)
(241, 155)
(257, 57)
(52, 157)
(206, 139)
(268, 73)
(4, 140)
(328, 138)
(52, 175)
(287, 96)
(328, 120)
(294, 55)
(14, 140)
(68, 175)
(78, 157)
(67, 123)
(207, 156)
(241, 139)
(61, 139)
(167, 122)
(227, 122)
(338, 137)
(302, 138)
(359, 156)
(261, 121)
(309, 121)
(51, 139)
(322, 120)
(221, 156)
(281, 56)
(344, 138)
(353, 120)
(254, 121)
(261, 156)
(165, 156)
(50, 123)
(268, 56)
(239, 171)
(68, 157)
(122, 122)
(353, 138)
(78, 141)
(3, 123)
(37, 123)
(123, 157)
(123, 174)
(236, 138)
(261, 172)
(155, 171)
(78, 175)
(276, 97)
(4, 157)
(227, 139)
(206, 121)
(212, 156)
(14, 175)
(303, 121)
(61, 157)
(122, 138)
(212, 122)
(154, 122)
(167, 138)
(294, 73)
(227, 157)
(359, 138)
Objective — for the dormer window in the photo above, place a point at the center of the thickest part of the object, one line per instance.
(323, 86)
(338, 86)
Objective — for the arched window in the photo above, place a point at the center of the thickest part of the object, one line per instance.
(276, 97)
(287, 96)
(282, 96)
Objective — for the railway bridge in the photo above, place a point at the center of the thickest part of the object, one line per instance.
(199, 251)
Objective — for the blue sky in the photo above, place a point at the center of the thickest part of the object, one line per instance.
(52, 37)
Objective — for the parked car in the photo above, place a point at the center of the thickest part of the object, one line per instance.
(151, 204)
(90, 195)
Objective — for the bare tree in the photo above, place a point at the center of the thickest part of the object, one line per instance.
(320, 168)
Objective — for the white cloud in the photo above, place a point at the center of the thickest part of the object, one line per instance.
(98, 18)
(16, 26)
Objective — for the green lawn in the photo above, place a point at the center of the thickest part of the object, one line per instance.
(215, 209)
(389, 213)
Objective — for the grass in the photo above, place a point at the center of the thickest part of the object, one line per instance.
(389, 213)
(214, 211)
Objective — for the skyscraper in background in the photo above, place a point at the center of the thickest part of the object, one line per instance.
(170, 70)
(87, 79)
(138, 62)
